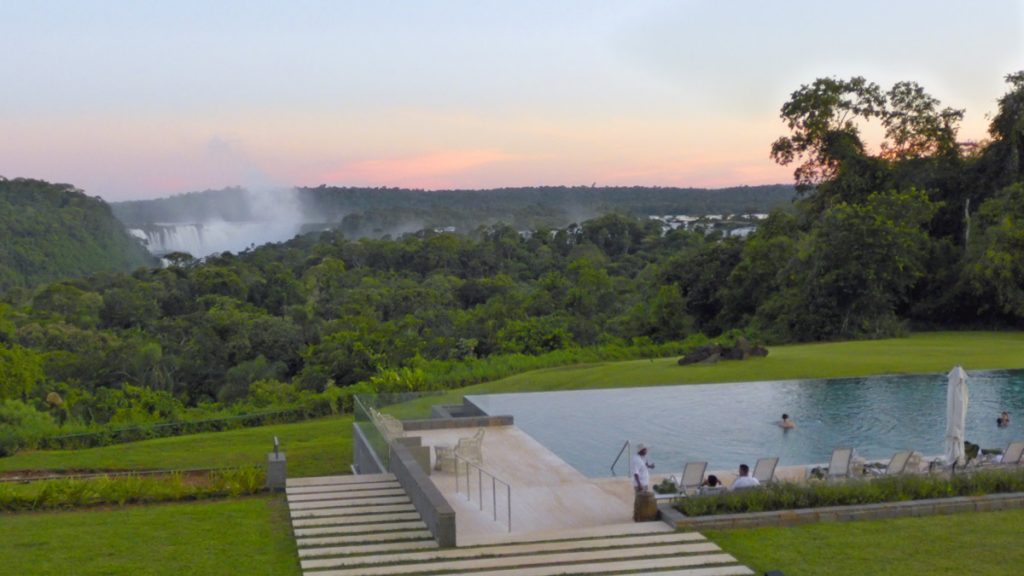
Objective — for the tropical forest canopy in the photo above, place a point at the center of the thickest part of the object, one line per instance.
(53, 231)
(378, 212)
(919, 230)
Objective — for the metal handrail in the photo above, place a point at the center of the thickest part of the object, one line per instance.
(625, 448)
(480, 489)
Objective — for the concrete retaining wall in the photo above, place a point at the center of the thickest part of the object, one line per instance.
(437, 514)
(468, 422)
(885, 510)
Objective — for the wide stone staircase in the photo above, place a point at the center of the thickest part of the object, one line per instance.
(366, 526)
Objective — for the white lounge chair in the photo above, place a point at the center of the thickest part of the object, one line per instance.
(898, 462)
(689, 482)
(839, 465)
(1013, 455)
(764, 470)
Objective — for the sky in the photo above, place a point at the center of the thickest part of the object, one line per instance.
(144, 99)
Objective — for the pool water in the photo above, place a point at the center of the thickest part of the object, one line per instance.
(729, 424)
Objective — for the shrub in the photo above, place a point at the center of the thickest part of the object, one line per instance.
(22, 426)
(790, 496)
(130, 489)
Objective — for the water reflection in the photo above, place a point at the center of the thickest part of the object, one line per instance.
(726, 424)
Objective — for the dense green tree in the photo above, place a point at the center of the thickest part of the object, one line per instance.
(994, 267)
(823, 120)
(54, 231)
(853, 270)
(21, 371)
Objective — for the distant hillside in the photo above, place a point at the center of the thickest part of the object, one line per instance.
(375, 212)
(54, 231)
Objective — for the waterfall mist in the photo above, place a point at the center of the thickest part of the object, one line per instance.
(245, 219)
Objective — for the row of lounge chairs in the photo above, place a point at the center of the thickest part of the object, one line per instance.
(841, 463)
(691, 481)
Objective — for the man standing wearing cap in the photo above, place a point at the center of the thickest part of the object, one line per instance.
(641, 474)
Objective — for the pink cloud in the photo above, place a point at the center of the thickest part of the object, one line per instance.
(435, 169)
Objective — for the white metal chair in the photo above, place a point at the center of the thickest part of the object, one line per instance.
(471, 448)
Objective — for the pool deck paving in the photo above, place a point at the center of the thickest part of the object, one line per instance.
(547, 493)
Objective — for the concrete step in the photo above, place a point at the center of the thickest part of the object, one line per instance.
(341, 487)
(633, 528)
(360, 528)
(316, 493)
(624, 568)
(705, 571)
(353, 510)
(393, 536)
(339, 480)
(319, 552)
(531, 548)
(680, 552)
(360, 519)
(347, 502)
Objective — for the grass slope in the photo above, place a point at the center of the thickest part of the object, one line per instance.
(313, 448)
(242, 536)
(980, 544)
(916, 354)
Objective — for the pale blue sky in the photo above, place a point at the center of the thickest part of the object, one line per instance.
(142, 99)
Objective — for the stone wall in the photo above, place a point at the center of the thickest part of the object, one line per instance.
(437, 514)
(885, 510)
(463, 422)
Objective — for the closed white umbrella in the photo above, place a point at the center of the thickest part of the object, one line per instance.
(956, 415)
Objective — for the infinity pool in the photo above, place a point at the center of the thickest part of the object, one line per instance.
(726, 424)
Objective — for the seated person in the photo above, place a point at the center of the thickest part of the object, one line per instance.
(786, 423)
(1003, 420)
(745, 480)
(712, 485)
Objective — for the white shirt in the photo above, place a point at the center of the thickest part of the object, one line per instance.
(745, 482)
(639, 469)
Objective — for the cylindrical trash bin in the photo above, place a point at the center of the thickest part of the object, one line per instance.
(645, 507)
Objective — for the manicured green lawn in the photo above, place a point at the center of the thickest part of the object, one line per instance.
(242, 536)
(313, 448)
(916, 354)
(980, 544)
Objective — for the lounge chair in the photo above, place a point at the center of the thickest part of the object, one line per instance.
(1013, 455)
(898, 462)
(690, 481)
(839, 465)
(764, 470)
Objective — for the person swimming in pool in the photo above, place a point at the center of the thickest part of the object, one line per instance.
(1003, 420)
(786, 423)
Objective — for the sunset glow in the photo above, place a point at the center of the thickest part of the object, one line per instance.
(130, 101)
